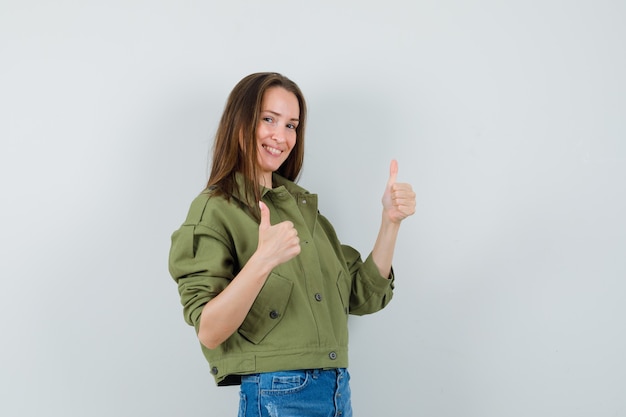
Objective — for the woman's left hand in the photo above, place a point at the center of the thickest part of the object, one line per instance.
(399, 198)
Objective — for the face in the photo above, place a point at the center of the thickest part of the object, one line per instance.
(276, 130)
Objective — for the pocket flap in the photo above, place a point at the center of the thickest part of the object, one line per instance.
(268, 309)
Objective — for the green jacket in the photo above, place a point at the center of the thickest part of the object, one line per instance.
(299, 320)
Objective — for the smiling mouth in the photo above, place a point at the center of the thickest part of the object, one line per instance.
(271, 150)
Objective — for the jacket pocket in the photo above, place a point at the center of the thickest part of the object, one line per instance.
(268, 309)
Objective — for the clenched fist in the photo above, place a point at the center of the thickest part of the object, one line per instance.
(399, 198)
(278, 243)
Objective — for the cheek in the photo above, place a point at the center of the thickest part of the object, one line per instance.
(259, 133)
(292, 140)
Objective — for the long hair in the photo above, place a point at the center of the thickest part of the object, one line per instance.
(235, 147)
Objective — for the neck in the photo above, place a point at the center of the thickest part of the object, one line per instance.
(266, 181)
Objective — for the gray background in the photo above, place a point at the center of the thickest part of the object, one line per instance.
(507, 117)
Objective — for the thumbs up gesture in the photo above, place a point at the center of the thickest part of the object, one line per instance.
(398, 198)
(278, 243)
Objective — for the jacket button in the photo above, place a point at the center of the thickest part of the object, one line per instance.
(274, 314)
(332, 355)
(318, 297)
(214, 370)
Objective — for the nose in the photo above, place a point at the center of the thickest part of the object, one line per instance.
(278, 135)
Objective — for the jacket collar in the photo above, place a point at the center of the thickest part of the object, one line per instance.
(280, 184)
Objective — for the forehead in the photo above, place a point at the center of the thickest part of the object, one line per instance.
(279, 100)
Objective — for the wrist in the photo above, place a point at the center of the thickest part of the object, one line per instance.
(260, 264)
(390, 222)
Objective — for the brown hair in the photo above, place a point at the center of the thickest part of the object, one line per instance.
(239, 121)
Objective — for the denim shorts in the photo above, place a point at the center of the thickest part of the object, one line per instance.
(311, 393)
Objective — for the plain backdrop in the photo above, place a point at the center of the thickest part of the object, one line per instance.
(508, 118)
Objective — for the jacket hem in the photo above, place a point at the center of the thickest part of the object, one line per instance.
(228, 371)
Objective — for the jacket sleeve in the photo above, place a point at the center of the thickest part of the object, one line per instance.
(370, 291)
(201, 263)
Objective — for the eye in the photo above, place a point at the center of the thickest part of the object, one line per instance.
(291, 126)
(268, 119)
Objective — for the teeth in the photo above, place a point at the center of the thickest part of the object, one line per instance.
(273, 151)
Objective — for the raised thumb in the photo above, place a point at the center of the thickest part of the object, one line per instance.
(265, 215)
(393, 172)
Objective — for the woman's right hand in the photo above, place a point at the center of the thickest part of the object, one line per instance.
(278, 243)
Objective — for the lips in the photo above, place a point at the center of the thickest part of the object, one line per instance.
(272, 151)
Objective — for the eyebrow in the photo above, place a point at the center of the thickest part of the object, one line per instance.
(293, 119)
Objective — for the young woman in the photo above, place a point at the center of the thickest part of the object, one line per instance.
(261, 273)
